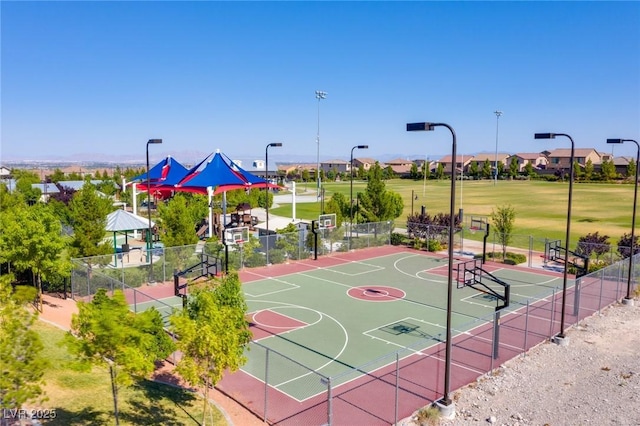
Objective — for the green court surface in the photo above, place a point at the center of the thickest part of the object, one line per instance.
(344, 321)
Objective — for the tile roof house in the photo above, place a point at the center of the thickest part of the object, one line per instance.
(561, 158)
(462, 162)
(400, 166)
(366, 163)
(338, 166)
(537, 159)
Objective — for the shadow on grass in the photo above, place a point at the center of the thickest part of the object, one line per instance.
(145, 409)
(85, 416)
(151, 404)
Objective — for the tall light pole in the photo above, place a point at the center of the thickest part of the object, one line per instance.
(495, 175)
(266, 203)
(351, 192)
(149, 239)
(628, 300)
(561, 336)
(319, 96)
(446, 404)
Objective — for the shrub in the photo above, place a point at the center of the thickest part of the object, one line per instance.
(396, 239)
(428, 416)
(434, 245)
(516, 258)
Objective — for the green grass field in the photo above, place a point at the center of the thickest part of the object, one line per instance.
(84, 398)
(541, 207)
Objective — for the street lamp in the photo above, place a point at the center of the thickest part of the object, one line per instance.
(628, 300)
(561, 337)
(351, 191)
(319, 96)
(266, 203)
(149, 239)
(446, 404)
(498, 114)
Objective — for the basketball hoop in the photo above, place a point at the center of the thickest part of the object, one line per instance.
(474, 229)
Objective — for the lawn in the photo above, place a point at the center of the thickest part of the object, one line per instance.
(84, 398)
(541, 207)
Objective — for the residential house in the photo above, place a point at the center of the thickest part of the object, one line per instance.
(501, 157)
(462, 163)
(337, 166)
(537, 159)
(5, 173)
(400, 166)
(561, 158)
(366, 163)
(622, 165)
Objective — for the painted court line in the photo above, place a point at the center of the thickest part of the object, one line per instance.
(373, 268)
(292, 286)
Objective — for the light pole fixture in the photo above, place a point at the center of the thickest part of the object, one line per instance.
(266, 202)
(319, 96)
(448, 407)
(149, 238)
(495, 176)
(628, 300)
(351, 191)
(561, 335)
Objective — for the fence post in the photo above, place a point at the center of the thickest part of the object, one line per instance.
(329, 402)
(553, 312)
(576, 298)
(526, 327)
(395, 416)
(601, 286)
(266, 384)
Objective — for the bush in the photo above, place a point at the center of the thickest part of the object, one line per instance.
(509, 261)
(427, 416)
(396, 239)
(516, 258)
(434, 245)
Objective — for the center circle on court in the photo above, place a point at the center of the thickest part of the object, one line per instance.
(376, 293)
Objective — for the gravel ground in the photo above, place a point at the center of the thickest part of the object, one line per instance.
(593, 380)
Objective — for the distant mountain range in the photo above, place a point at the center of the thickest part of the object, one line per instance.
(185, 157)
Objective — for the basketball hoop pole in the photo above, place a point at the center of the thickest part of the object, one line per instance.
(446, 405)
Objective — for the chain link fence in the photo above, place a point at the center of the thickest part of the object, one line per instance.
(390, 388)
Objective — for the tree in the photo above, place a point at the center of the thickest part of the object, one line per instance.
(22, 363)
(413, 173)
(608, 170)
(376, 203)
(339, 204)
(177, 224)
(528, 169)
(578, 173)
(588, 170)
(486, 169)
(513, 168)
(440, 171)
(625, 244)
(32, 240)
(503, 218)
(106, 333)
(593, 244)
(473, 169)
(305, 175)
(213, 333)
(631, 169)
(89, 218)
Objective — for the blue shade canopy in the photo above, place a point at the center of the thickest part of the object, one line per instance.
(167, 172)
(215, 173)
(253, 180)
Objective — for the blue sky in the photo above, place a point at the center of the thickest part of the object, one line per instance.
(101, 78)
